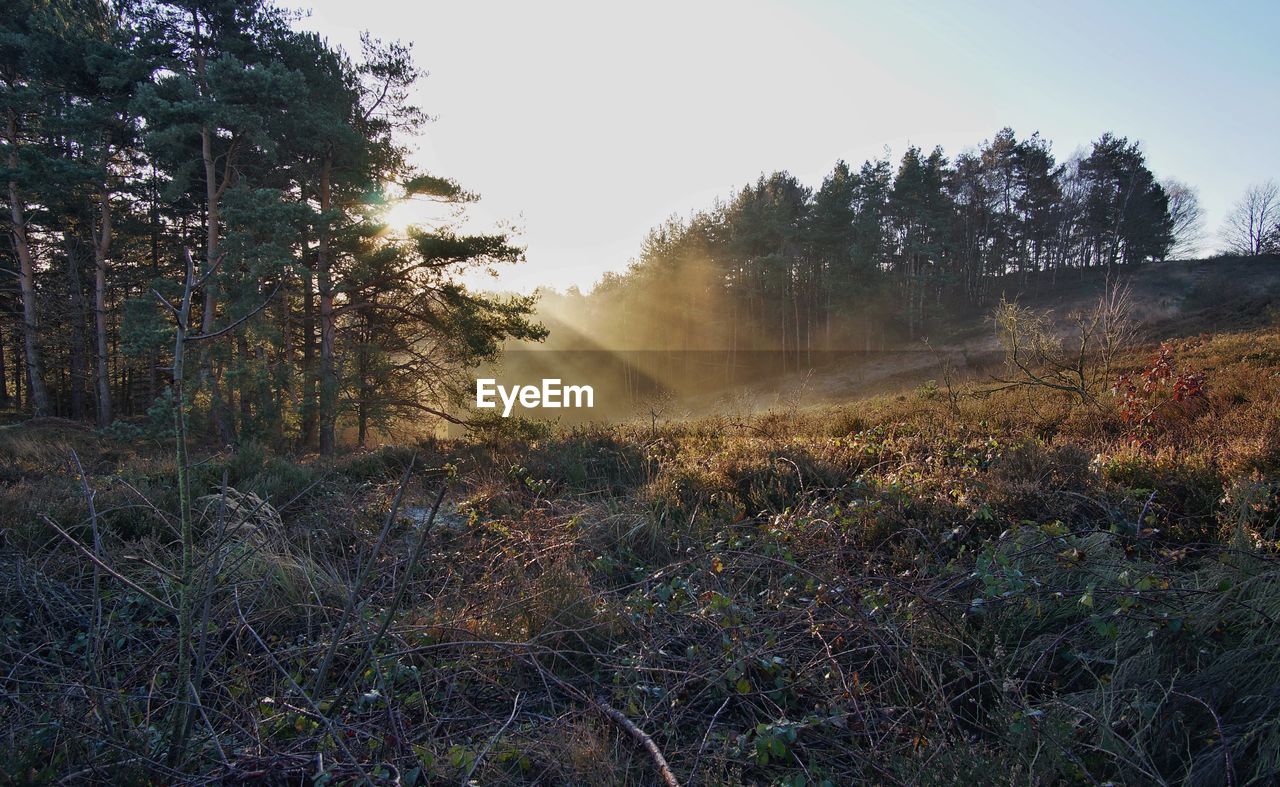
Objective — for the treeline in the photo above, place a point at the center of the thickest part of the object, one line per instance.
(137, 132)
(880, 248)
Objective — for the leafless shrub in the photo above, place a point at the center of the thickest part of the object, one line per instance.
(1076, 357)
(949, 389)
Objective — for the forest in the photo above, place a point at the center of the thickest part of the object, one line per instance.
(139, 133)
(889, 251)
(953, 468)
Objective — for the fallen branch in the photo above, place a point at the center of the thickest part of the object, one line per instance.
(617, 716)
(655, 753)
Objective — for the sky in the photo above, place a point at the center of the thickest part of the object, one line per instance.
(584, 124)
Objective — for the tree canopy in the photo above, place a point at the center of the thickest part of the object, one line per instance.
(135, 132)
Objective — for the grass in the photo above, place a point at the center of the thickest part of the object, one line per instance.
(905, 589)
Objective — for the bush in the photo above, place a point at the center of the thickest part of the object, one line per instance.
(1081, 362)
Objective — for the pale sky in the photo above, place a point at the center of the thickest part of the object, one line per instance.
(587, 123)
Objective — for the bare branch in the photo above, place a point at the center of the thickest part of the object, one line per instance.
(242, 320)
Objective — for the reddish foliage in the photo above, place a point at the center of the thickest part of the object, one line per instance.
(1157, 393)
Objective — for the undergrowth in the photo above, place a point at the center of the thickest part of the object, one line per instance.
(1004, 587)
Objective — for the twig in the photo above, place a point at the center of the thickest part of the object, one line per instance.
(1229, 771)
(318, 684)
(515, 706)
(693, 771)
(101, 564)
(397, 600)
(203, 337)
(315, 709)
(1142, 516)
(95, 649)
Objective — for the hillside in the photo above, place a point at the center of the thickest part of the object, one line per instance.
(1172, 299)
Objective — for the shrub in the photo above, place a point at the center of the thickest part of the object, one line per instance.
(1160, 397)
(1080, 363)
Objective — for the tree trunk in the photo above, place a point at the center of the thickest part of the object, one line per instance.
(363, 419)
(100, 249)
(186, 586)
(270, 398)
(79, 345)
(309, 393)
(219, 417)
(245, 379)
(4, 373)
(153, 359)
(17, 371)
(27, 287)
(328, 415)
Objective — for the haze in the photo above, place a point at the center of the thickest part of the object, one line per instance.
(586, 125)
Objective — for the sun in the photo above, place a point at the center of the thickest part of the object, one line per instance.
(400, 214)
(403, 214)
